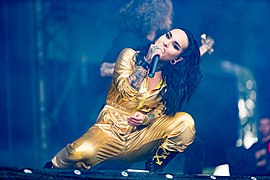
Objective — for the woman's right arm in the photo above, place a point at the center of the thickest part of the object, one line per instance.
(126, 73)
(136, 79)
(127, 70)
(140, 73)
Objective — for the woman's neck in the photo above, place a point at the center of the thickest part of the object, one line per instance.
(153, 82)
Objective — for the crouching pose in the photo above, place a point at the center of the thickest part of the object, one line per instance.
(142, 119)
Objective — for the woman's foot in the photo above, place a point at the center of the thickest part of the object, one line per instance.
(160, 159)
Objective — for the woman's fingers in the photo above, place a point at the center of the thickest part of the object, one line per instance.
(134, 121)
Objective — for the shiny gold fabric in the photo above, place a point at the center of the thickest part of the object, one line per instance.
(111, 136)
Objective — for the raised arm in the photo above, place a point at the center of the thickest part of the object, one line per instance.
(136, 79)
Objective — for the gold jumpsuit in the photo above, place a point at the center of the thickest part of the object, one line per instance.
(111, 136)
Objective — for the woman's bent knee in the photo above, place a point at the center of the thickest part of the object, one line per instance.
(181, 132)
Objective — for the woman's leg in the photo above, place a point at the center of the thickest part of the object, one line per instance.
(93, 147)
(166, 136)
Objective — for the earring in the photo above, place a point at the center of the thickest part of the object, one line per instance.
(173, 61)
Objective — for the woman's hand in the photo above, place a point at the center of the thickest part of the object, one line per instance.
(137, 119)
(152, 51)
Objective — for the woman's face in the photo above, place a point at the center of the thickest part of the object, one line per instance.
(172, 44)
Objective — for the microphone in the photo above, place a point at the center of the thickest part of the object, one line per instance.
(153, 66)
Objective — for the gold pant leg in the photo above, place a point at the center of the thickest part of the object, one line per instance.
(173, 133)
(93, 147)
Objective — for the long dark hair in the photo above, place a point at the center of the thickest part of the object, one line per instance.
(143, 16)
(183, 78)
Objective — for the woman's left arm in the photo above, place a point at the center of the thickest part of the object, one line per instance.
(152, 115)
(140, 118)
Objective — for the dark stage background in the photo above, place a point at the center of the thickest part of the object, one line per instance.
(51, 90)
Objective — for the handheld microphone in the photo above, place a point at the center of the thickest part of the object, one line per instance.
(153, 66)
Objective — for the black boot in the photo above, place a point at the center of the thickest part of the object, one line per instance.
(161, 158)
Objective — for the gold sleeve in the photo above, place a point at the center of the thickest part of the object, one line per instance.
(124, 67)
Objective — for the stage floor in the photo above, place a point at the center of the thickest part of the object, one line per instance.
(29, 173)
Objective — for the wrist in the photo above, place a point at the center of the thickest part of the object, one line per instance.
(146, 120)
(142, 63)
